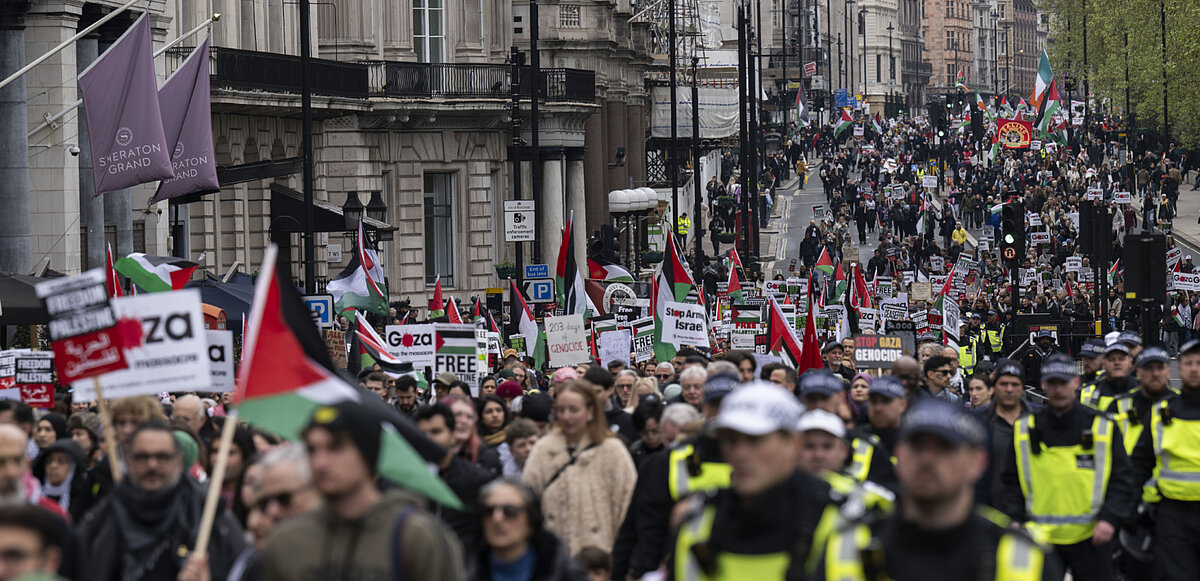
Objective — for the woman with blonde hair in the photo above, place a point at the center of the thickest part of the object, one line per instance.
(643, 387)
(583, 474)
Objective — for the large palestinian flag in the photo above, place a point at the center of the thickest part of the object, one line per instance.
(781, 339)
(567, 278)
(672, 283)
(608, 272)
(360, 286)
(372, 352)
(843, 123)
(156, 274)
(286, 379)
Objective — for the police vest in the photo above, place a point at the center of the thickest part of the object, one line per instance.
(966, 357)
(1131, 425)
(995, 338)
(1064, 486)
(687, 474)
(1177, 445)
(1091, 396)
(860, 459)
(685, 224)
(1018, 558)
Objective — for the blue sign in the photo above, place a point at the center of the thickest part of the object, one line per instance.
(321, 309)
(539, 290)
(843, 98)
(537, 271)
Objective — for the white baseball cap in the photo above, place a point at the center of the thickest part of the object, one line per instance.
(759, 408)
(822, 420)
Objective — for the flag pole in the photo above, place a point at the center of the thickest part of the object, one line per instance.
(209, 513)
(50, 119)
(106, 428)
(66, 43)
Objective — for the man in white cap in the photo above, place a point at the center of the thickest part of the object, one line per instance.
(766, 520)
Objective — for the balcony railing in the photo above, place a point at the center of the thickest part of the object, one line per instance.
(248, 70)
(476, 81)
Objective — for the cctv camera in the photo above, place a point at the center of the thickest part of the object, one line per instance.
(73, 150)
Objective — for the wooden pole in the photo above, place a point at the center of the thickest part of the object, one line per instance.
(214, 486)
(110, 437)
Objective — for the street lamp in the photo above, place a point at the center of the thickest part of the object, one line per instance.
(862, 31)
(850, 45)
(892, 66)
(995, 53)
(352, 211)
(1007, 60)
(376, 208)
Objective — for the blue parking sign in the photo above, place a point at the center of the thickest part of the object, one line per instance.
(321, 309)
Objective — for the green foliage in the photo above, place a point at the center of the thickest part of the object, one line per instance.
(1109, 24)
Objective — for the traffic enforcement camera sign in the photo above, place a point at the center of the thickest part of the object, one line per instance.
(519, 221)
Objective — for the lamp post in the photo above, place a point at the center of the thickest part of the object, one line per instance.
(995, 53)
(862, 54)
(849, 45)
(699, 227)
(672, 149)
(352, 210)
(891, 70)
(1007, 60)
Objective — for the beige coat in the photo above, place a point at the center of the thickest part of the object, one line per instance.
(586, 503)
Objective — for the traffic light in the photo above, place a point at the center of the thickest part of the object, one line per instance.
(610, 244)
(1012, 233)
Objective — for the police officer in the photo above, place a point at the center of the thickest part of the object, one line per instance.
(1037, 354)
(994, 330)
(1117, 379)
(666, 477)
(1091, 353)
(1169, 449)
(764, 524)
(872, 444)
(936, 532)
(1007, 407)
(1068, 475)
(1131, 411)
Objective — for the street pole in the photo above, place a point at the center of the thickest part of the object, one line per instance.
(829, 54)
(850, 45)
(696, 268)
(841, 65)
(1132, 186)
(753, 89)
(672, 149)
(515, 93)
(1162, 14)
(743, 126)
(1007, 60)
(310, 243)
(535, 162)
(891, 74)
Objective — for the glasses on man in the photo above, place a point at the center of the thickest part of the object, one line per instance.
(144, 458)
(507, 511)
(283, 498)
(663, 375)
(943, 372)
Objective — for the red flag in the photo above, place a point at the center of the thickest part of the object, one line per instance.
(452, 311)
(733, 256)
(436, 306)
(811, 348)
(1070, 291)
(781, 338)
(113, 283)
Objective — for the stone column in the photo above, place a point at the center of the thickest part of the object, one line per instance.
(554, 216)
(577, 203)
(635, 137)
(594, 170)
(91, 208)
(16, 246)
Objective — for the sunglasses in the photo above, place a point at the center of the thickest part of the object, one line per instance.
(283, 498)
(507, 511)
(662, 375)
(942, 372)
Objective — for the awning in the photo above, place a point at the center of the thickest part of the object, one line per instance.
(19, 303)
(287, 213)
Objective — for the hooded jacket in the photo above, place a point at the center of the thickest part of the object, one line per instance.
(73, 495)
(550, 561)
(318, 546)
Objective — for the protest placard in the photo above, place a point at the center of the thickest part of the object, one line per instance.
(456, 350)
(921, 291)
(1039, 238)
(35, 377)
(8, 369)
(894, 309)
(876, 351)
(335, 344)
(1074, 263)
(929, 182)
(685, 324)
(643, 339)
(1122, 198)
(82, 326)
(169, 350)
(1186, 281)
(868, 318)
(566, 340)
(614, 346)
(220, 360)
(1174, 255)
(412, 343)
(950, 318)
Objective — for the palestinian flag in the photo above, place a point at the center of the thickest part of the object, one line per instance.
(810, 347)
(567, 279)
(801, 108)
(608, 272)
(839, 284)
(1044, 80)
(1115, 271)
(284, 398)
(595, 296)
(1175, 316)
(1049, 110)
(877, 124)
(960, 81)
(535, 341)
(437, 308)
(843, 123)
(452, 312)
(155, 274)
(735, 287)
(782, 339)
(983, 107)
(360, 285)
(672, 283)
(372, 352)
(734, 258)
(1070, 291)
(860, 295)
(995, 150)
(110, 274)
(476, 316)
(824, 262)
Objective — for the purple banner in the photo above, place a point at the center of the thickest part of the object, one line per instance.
(187, 121)
(120, 96)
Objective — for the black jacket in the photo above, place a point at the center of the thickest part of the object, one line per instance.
(161, 549)
(551, 562)
(81, 494)
(465, 479)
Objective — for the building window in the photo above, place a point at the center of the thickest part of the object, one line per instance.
(439, 228)
(878, 66)
(568, 17)
(1004, 43)
(775, 13)
(429, 30)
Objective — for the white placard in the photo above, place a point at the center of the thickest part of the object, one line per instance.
(1074, 263)
(1034, 219)
(1122, 198)
(868, 318)
(566, 340)
(950, 318)
(172, 356)
(1039, 237)
(1174, 255)
(1186, 281)
(220, 360)
(643, 339)
(614, 346)
(411, 343)
(929, 181)
(894, 309)
(685, 324)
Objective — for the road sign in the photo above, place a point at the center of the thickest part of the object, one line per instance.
(537, 271)
(842, 98)
(321, 309)
(539, 290)
(810, 69)
(519, 221)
